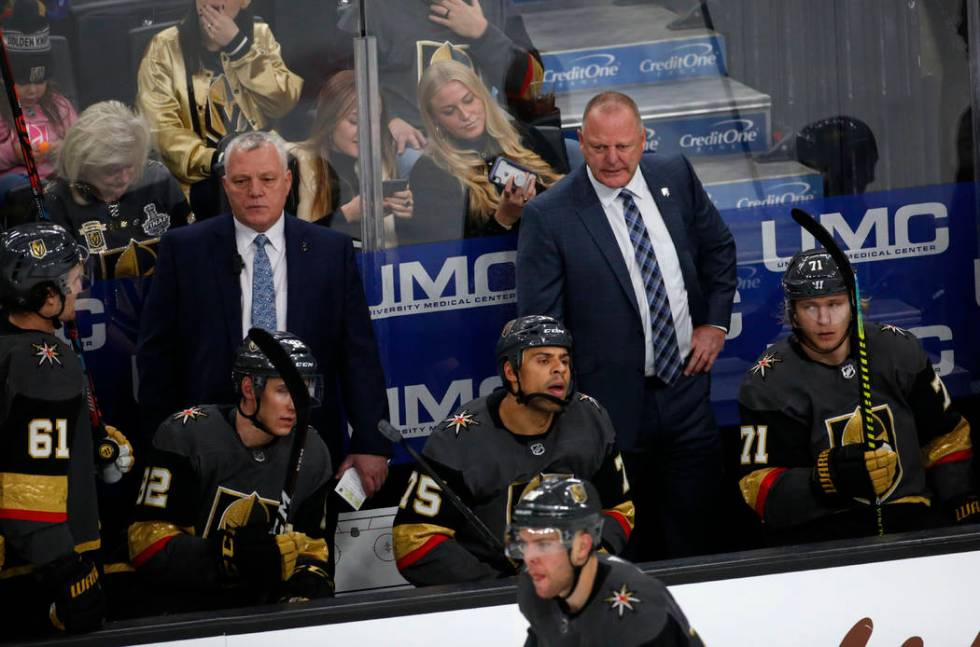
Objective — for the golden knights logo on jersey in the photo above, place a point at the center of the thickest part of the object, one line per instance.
(848, 429)
(222, 115)
(94, 233)
(233, 509)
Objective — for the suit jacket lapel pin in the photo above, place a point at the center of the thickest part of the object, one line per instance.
(304, 246)
(665, 192)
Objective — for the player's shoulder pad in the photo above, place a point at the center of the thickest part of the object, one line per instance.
(187, 430)
(458, 434)
(42, 366)
(633, 596)
(770, 367)
(901, 346)
(318, 455)
(587, 408)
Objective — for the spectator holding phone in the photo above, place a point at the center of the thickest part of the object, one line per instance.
(329, 190)
(468, 133)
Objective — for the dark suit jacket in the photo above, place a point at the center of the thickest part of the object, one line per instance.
(570, 267)
(191, 327)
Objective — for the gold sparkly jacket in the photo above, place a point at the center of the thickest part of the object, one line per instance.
(252, 90)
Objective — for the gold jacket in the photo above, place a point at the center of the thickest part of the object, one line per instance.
(253, 89)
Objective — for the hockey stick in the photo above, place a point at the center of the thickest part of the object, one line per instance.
(492, 541)
(20, 125)
(299, 392)
(823, 237)
(106, 450)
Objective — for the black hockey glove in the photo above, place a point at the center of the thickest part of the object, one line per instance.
(251, 554)
(309, 582)
(843, 471)
(966, 509)
(73, 587)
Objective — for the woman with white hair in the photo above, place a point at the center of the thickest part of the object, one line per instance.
(468, 131)
(106, 191)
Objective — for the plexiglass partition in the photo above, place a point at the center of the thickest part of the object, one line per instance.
(404, 120)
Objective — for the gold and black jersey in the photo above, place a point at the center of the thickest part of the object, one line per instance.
(490, 467)
(200, 478)
(47, 476)
(792, 408)
(626, 609)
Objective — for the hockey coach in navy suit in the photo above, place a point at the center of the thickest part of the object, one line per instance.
(259, 267)
(629, 252)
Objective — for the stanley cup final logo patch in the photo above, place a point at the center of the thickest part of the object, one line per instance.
(155, 224)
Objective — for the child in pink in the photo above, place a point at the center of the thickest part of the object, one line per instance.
(47, 113)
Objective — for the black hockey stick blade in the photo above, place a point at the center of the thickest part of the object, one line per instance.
(299, 392)
(822, 236)
(492, 541)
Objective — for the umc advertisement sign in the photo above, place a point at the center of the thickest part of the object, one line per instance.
(438, 308)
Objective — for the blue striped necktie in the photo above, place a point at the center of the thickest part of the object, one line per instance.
(666, 355)
(263, 288)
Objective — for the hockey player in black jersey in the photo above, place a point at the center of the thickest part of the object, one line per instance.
(494, 448)
(570, 594)
(805, 468)
(49, 523)
(201, 538)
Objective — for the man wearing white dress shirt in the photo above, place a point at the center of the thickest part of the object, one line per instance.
(258, 266)
(631, 255)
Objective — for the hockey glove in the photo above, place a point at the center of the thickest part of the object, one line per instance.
(966, 509)
(881, 464)
(251, 554)
(73, 586)
(310, 581)
(847, 471)
(115, 444)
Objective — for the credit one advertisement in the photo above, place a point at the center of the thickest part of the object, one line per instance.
(439, 308)
(725, 132)
(637, 63)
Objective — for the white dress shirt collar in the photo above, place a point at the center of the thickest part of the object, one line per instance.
(608, 195)
(244, 235)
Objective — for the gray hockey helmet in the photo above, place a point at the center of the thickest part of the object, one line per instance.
(36, 254)
(532, 331)
(251, 361)
(812, 273)
(565, 505)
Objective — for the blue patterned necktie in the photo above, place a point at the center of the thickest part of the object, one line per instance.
(263, 288)
(666, 355)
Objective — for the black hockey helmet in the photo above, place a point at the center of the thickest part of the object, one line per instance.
(812, 273)
(566, 505)
(251, 361)
(34, 256)
(532, 331)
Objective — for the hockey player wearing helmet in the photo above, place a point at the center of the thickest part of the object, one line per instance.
(805, 468)
(571, 594)
(201, 534)
(49, 521)
(495, 447)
